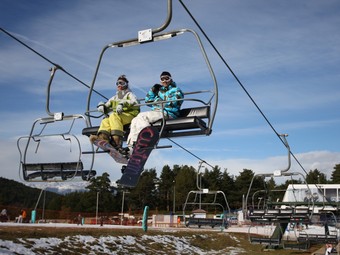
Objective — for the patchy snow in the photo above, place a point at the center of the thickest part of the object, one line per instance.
(127, 244)
(105, 245)
(9, 247)
(86, 244)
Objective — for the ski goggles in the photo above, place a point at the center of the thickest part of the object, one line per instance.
(165, 78)
(121, 83)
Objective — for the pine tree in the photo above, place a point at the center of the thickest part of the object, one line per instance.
(316, 177)
(336, 174)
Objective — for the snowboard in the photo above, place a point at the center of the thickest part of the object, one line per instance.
(146, 141)
(106, 146)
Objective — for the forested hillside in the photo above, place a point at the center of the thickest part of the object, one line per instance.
(164, 193)
(17, 194)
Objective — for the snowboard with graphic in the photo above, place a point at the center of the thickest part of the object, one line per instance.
(146, 141)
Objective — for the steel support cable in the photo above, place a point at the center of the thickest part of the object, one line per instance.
(61, 68)
(49, 61)
(192, 154)
(238, 80)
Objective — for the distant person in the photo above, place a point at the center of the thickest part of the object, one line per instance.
(170, 97)
(329, 249)
(79, 219)
(3, 212)
(22, 216)
(326, 229)
(124, 108)
(3, 215)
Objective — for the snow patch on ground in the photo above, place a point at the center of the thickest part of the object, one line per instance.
(106, 245)
(127, 244)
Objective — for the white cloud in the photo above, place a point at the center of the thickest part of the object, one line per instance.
(324, 161)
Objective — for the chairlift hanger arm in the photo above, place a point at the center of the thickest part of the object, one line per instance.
(56, 116)
(253, 196)
(167, 20)
(200, 164)
(276, 173)
(53, 71)
(288, 149)
(132, 42)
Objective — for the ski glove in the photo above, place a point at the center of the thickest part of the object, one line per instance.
(155, 88)
(119, 109)
(101, 107)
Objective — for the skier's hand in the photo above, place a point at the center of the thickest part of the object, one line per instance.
(101, 107)
(155, 88)
(119, 109)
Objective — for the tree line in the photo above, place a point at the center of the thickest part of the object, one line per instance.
(165, 193)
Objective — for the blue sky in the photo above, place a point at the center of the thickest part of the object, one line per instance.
(285, 53)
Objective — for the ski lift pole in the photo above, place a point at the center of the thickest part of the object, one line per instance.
(48, 94)
(288, 149)
(34, 212)
(36, 206)
(198, 178)
(129, 42)
(167, 20)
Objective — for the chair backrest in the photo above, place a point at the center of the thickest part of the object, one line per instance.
(201, 112)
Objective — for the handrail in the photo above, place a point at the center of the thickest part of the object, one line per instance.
(87, 113)
(164, 118)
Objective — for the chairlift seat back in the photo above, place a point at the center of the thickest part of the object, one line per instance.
(65, 170)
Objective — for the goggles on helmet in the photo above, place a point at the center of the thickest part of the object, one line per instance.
(121, 83)
(165, 78)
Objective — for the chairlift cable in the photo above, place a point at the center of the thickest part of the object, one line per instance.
(49, 61)
(238, 80)
(229, 68)
(216, 50)
(61, 68)
(189, 152)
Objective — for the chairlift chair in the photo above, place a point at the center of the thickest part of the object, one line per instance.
(271, 213)
(42, 169)
(197, 120)
(205, 193)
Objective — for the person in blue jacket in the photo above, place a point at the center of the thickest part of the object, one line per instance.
(170, 100)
